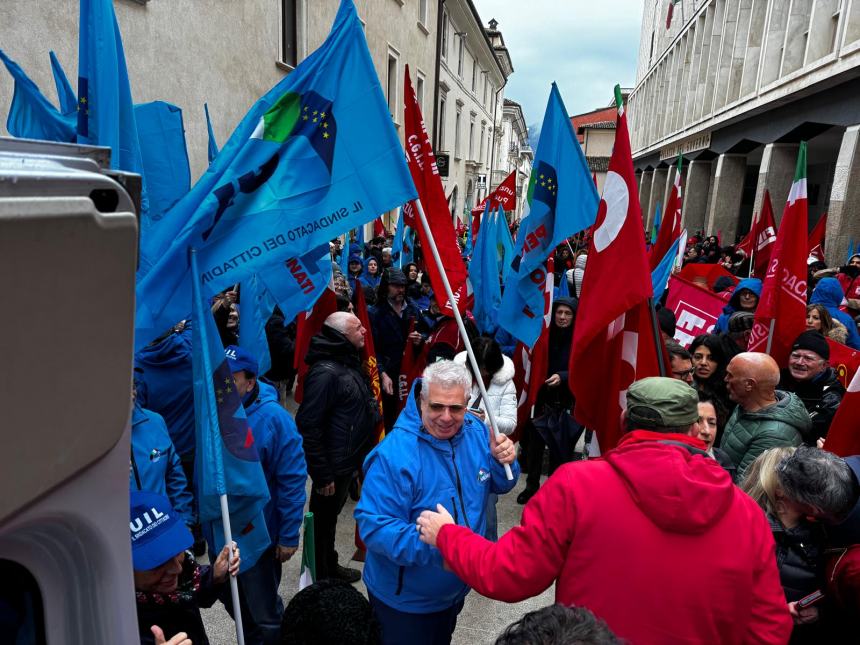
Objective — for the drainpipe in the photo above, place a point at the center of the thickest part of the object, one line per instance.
(438, 71)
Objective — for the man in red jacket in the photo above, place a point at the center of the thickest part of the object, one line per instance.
(653, 537)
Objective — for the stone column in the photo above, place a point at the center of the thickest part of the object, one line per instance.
(645, 193)
(696, 188)
(658, 188)
(775, 175)
(843, 217)
(725, 197)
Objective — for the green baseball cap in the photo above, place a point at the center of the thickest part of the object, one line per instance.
(660, 401)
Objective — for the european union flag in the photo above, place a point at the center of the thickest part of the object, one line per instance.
(562, 200)
(226, 461)
(317, 154)
(31, 115)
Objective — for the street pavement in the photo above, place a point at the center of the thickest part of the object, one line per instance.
(481, 620)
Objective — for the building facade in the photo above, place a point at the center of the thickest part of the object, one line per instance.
(513, 152)
(473, 67)
(735, 85)
(595, 132)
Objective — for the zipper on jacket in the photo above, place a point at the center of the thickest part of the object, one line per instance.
(459, 487)
(400, 580)
(456, 513)
(134, 469)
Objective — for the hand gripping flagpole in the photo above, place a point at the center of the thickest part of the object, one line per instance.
(225, 510)
(472, 360)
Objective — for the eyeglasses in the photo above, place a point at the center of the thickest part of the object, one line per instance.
(685, 373)
(439, 408)
(804, 358)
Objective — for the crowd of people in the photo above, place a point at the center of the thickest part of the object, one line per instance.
(719, 517)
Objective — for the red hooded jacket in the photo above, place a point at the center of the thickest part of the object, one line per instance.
(653, 539)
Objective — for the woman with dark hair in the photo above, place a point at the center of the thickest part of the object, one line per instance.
(711, 424)
(711, 355)
(497, 375)
(413, 287)
(819, 319)
(554, 397)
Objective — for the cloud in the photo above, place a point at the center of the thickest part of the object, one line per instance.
(585, 47)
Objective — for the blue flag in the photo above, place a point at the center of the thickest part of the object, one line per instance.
(655, 230)
(165, 161)
(212, 149)
(344, 254)
(408, 253)
(484, 275)
(505, 244)
(257, 307)
(317, 153)
(105, 107)
(467, 247)
(397, 245)
(562, 200)
(661, 273)
(31, 115)
(65, 93)
(226, 461)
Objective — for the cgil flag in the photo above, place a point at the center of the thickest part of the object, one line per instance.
(562, 200)
(670, 230)
(316, 154)
(816, 239)
(843, 438)
(226, 460)
(612, 340)
(781, 313)
(758, 244)
(308, 571)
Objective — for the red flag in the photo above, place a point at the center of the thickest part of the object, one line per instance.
(413, 363)
(843, 438)
(505, 195)
(612, 339)
(781, 312)
(531, 365)
(816, 239)
(308, 325)
(844, 360)
(368, 361)
(425, 174)
(696, 309)
(764, 237)
(378, 227)
(670, 228)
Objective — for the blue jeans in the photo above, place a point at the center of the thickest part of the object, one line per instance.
(262, 607)
(400, 627)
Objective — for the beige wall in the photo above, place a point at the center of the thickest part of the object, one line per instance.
(598, 143)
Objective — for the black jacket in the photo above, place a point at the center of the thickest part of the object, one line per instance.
(282, 345)
(820, 396)
(799, 557)
(338, 411)
(179, 611)
(389, 335)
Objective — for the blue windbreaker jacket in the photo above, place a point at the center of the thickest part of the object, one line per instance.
(752, 284)
(155, 463)
(411, 471)
(279, 445)
(828, 292)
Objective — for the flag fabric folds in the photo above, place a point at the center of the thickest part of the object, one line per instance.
(226, 458)
(318, 153)
(655, 228)
(31, 115)
(781, 313)
(663, 271)
(562, 200)
(308, 325)
(257, 308)
(843, 438)
(670, 230)
(504, 196)
(504, 244)
(758, 244)
(368, 362)
(816, 239)
(612, 340)
(211, 144)
(484, 274)
(397, 244)
(425, 174)
(65, 94)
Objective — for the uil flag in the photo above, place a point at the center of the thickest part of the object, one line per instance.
(816, 239)
(562, 200)
(670, 230)
(316, 155)
(505, 195)
(612, 342)
(531, 365)
(422, 164)
(781, 313)
(226, 459)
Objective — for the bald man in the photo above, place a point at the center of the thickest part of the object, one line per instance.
(764, 417)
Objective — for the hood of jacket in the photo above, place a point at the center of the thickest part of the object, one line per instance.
(502, 376)
(266, 394)
(788, 409)
(171, 351)
(330, 344)
(750, 284)
(827, 292)
(679, 491)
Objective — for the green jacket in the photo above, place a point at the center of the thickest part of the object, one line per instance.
(748, 434)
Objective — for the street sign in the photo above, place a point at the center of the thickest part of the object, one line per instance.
(442, 164)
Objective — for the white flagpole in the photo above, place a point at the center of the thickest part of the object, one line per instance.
(472, 361)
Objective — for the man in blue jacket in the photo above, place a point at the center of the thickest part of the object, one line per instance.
(280, 448)
(437, 454)
(744, 298)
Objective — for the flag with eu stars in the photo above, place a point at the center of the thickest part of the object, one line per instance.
(226, 461)
(318, 154)
(561, 201)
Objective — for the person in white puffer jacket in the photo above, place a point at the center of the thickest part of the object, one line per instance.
(497, 372)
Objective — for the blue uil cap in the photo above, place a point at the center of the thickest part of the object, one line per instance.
(158, 532)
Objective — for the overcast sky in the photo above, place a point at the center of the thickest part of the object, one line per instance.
(586, 47)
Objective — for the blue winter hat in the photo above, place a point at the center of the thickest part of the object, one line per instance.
(355, 257)
(240, 359)
(158, 532)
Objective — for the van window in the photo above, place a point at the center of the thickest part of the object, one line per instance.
(22, 618)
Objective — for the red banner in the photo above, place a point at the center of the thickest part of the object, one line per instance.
(368, 361)
(425, 174)
(844, 360)
(696, 310)
(505, 195)
(308, 324)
